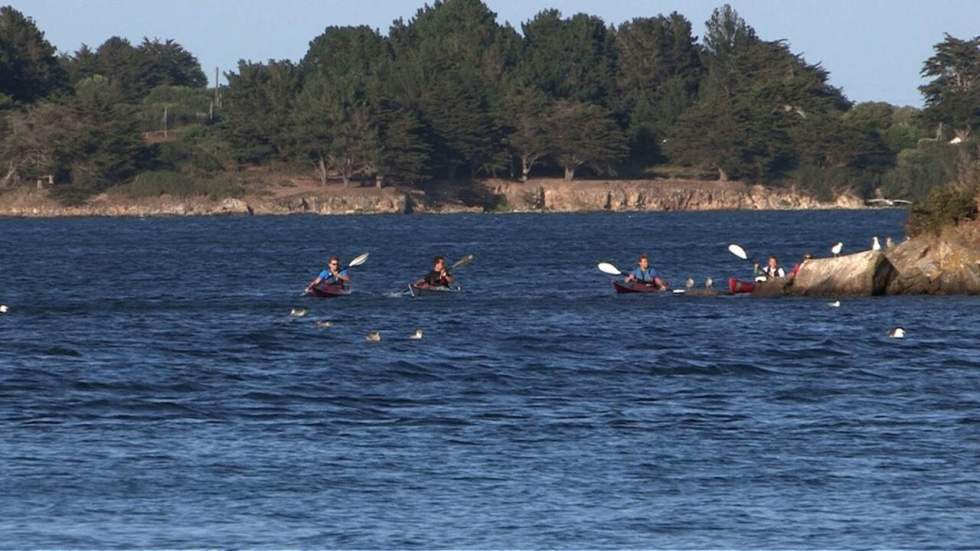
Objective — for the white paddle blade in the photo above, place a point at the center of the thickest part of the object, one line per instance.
(466, 260)
(738, 251)
(358, 261)
(608, 268)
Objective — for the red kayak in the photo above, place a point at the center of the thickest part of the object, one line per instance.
(329, 290)
(737, 286)
(636, 287)
(419, 289)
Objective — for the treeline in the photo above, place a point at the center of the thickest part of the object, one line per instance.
(452, 94)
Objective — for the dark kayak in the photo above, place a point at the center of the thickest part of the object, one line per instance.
(636, 287)
(420, 289)
(329, 290)
(737, 286)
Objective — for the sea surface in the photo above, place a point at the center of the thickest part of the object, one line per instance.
(156, 392)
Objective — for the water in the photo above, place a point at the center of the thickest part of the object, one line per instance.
(155, 392)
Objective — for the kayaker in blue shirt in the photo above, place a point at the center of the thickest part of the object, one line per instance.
(645, 274)
(332, 275)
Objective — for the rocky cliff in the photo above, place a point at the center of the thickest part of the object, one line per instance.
(488, 195)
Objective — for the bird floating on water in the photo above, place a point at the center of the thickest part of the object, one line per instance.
(875, 244)
(417, 335)
(836, 249)
(374, 336)
(835, 304)
(897, 333)
(298, 312)
(3, 308)
(689, 283)
(709, 283)
(324, 323)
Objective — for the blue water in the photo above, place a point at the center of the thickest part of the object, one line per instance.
(155, 391)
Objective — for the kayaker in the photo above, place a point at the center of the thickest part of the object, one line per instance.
(772, 270)
(439, 276)
(645, 274)
(332, 275)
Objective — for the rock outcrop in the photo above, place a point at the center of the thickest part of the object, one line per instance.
(861, 274)
(938, 264)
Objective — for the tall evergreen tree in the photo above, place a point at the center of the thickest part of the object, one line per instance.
(585, 134)
(953, 95)
(258, 110)
(29, 68)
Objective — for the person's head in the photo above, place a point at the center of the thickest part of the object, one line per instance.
(773, 262)
(644, 261)
(334, 262)
(439, 263)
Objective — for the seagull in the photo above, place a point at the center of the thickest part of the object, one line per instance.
(298, 312)
(3, 308)
(889, 243)
(417, 335)
(897, 333)
(324, 323)
(875, 244)
(709, 283)
(373, 336)
(689, 283)
(836, 249)
(835, 304)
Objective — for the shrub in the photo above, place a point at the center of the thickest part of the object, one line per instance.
(175, 184)
(945, 206)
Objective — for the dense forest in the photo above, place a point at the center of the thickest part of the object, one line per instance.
(452, 95)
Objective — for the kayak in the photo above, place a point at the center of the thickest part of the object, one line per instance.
(737, 286)
(420, 289)
(329, 290)
(623, 287)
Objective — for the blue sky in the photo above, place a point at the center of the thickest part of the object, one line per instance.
(874, 49)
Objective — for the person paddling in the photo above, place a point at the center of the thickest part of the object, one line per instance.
(772, 270)
(332, 275)
(645, 274)
(439, 276)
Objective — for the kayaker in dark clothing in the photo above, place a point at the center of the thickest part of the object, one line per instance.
(439, 276)
(645, 274)
(332, 275)
(771, 271)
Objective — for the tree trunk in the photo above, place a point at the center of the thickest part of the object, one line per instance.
(569, 173)
(722, 175)
(378, 181)
(9, 176)
(322, 169)
(525, 169)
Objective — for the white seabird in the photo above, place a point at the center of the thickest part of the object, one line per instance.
(897, 333)
(298, 312)
(417, 335)
(836, 249)
(835, 304)
(374, 336)
(875, 244)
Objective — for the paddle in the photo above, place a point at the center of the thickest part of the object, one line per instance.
(609, 269)
(738, 251)
(358, 260)
(463, 262)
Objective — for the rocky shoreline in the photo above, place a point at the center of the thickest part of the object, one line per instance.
(480, 196)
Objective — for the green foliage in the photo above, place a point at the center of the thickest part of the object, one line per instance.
(585, 135)
(944, 206)
(29, 69)
(176, 184)
(258, 110)
(181, 104)
(931, 165)
(953, 95)
(570, 58)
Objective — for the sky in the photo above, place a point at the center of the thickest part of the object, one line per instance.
(874, 49)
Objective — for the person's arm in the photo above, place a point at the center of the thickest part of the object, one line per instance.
(781, 272)
(447, 277)
(661, 283)
(316, 281)
(342, 276)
